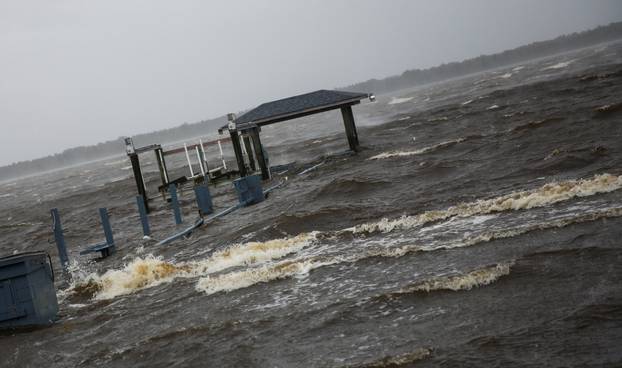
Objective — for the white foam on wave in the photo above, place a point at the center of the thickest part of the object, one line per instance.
(303, 266)
(506, 76)
(392, 154)
(261, 259)
(493, 107)
(518, 68)
(561, 65)
(473, 279)
(117, 162)
(399, 100)
(150, 271)
(466, 102)
(246, 278)
(545, 195)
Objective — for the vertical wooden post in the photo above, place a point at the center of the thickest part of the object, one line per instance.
(348, 122)
(249, 151)
(261, 159)
(237, 149)
(57, 227)
(138, 177)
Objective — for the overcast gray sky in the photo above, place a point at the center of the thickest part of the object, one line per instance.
(76, 72)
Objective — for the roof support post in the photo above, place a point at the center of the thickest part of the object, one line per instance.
(249, 151)
(237, 149)
(259, 153)
(138, 177)
(348, 122)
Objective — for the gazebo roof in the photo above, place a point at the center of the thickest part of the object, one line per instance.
(299, 106)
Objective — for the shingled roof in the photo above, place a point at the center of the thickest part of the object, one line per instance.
(301, 105)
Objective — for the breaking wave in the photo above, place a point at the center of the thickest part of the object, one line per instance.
(473, 279)
(262, 257)
(302, 266)
(391, 154)
(149, 271)
(548, 194)
(561, 65)
(242, 279)
(397, 100)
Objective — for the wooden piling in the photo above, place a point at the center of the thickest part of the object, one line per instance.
(249, 151)
(348, 122)
(261, 159)
(138, 177)
(103, 214)
(59, 238)
(237, 149)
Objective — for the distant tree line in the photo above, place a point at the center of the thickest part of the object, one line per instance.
(408, 79)
(77, 155)
(415, 77)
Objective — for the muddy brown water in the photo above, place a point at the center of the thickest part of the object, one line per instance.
(480, 225)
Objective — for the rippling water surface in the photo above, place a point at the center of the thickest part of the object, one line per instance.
(479, 226)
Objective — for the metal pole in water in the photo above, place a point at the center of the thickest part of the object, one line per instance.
(172, 189)
(204, 156)
(144, 219)
(199, 158)
(222, 156)
(59, 238)
(103, 214)
(188, 159)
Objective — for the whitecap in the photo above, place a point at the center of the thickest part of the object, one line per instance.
(398, 100)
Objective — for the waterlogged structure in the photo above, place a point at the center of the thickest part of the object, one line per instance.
(245, 129)
(203, 174)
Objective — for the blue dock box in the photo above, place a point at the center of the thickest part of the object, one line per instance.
(27, 293)
(249, 189)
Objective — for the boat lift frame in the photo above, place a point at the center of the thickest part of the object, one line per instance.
(204, 174)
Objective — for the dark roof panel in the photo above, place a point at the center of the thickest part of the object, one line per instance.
(297, 104)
